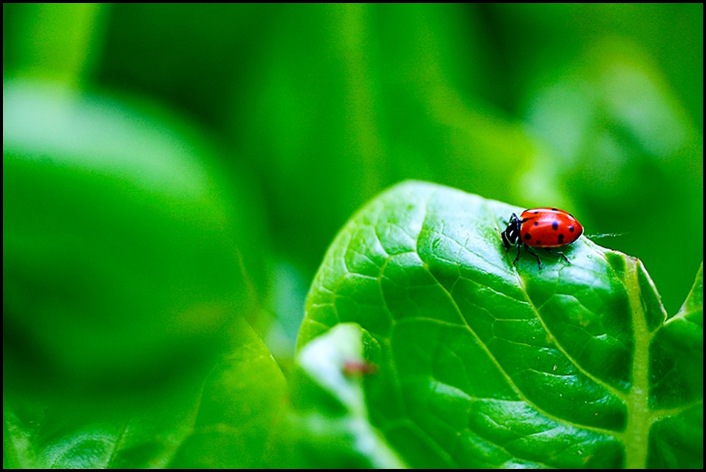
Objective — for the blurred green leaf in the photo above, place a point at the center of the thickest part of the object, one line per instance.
(187, 55)
(532, 40)
(338, 105)
(40, 45)
(223, 417)
(123, 246)
(483, 364)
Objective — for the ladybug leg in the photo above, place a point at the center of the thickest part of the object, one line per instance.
(549, 250)
(560, 254)
(536, 256)
(517, 257)
(565, 258)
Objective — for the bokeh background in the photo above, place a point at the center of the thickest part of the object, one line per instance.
(200, 158)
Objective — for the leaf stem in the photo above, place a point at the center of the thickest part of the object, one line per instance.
(638, 424)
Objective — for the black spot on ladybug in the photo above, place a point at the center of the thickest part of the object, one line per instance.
(536, 212)
(555, 209)
(536, 223)
(528, 236)
(561, 239)
(555, 225)
(571, 228)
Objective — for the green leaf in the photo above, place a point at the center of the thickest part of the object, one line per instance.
(41, 45)
(676, 370)
(222, 418)
(386, 99)
(123, 245)
(486, 364)
(329, 426)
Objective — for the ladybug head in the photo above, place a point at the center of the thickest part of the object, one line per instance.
(511, 235)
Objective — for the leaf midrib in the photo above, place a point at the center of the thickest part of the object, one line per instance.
(636, 432)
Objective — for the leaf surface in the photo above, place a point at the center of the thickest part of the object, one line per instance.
(221, 418)
(486, 364)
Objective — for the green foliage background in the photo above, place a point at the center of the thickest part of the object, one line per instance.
(201, 158)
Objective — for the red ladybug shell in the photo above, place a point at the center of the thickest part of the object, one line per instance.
(548, 227)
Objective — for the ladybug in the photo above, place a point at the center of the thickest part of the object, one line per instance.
(541, 227)
(355, 368)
